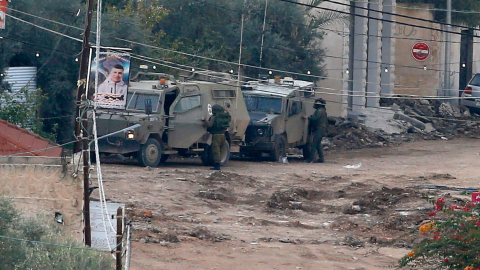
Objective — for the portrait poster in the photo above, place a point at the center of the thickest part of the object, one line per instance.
(113, 77)
(3, 13)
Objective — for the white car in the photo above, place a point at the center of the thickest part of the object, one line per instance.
(471, 95)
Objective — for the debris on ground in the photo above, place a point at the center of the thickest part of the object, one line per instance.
(401, 120)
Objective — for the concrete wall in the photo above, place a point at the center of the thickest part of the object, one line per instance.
(37, 184)
(410, 76)
(334, 87)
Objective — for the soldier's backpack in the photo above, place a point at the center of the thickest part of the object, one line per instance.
(223, 120)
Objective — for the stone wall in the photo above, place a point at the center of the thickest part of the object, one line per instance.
(44, 185)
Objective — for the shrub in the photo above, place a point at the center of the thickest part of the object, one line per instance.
(55, 251)
(450, 239)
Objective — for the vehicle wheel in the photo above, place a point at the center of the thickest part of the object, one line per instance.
(164, 159)
(150, 153)
(207, 155)
(280, 149)
(307, 155)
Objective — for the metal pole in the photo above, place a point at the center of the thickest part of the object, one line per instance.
(447, 50)
(118, 252)
(82, 74)
(82, 120)
(129, 246)
(263, 31)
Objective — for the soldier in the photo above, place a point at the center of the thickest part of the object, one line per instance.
(217, 125)
(317, 126)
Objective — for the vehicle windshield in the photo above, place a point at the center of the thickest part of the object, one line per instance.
(475, 80)
(137, 101)
(263, 104)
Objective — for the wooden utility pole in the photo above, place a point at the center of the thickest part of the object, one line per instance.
(118, 252)
(81, 121)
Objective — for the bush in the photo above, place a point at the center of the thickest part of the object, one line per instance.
(450, 239)
(56, 251)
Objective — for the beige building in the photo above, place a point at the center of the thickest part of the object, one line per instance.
(379, 55)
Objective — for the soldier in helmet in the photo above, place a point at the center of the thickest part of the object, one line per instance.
(317, 126)
(217, 125)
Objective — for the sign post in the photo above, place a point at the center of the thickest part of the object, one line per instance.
(420, 51)
(3, 13)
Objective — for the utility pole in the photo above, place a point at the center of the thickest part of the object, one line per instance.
(447, 91)
(81, 120)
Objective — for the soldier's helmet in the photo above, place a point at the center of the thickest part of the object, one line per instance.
(320, 101)
(217, 109)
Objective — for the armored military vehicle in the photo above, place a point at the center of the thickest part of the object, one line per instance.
(276, 108)
(170, 113)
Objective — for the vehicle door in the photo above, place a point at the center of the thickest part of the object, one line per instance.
(185, 125)
(295, 123)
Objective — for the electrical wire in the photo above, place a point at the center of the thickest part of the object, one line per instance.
(390, 65)
(319, 77)
(423, 8)
(393, 14)
(39, 150)
(59, 245)
(43, 28)
(373, 18)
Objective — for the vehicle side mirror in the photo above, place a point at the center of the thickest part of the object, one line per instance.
(148, 106)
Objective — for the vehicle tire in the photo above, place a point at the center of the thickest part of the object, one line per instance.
(207, 155)
(280, 148)
(164, 159)
(150, 153)
(307, 154)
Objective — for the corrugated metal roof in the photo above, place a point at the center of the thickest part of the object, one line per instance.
(16, 140)
(19, 77)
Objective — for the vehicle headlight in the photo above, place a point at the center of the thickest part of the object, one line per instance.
(130, 135)
(260, 131)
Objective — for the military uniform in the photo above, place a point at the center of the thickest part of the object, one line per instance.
(218, 133)
(317, 124)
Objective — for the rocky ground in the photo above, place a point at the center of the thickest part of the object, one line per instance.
(355, 211)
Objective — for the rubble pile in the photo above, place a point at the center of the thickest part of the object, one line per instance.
(413, 119)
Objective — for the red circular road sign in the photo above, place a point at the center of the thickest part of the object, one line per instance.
(420, 51)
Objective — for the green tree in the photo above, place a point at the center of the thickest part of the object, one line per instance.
(22, 108)
(58, 54)
(212, 29)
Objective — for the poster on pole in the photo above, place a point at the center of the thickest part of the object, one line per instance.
(3, 13)
(113, 77)
(104, 237)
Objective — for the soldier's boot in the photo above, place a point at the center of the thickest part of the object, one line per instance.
(216, 167)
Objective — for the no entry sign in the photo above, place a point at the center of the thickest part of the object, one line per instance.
(420, 51)
(3, 11)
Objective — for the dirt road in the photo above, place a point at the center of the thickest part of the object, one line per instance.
(263, 215)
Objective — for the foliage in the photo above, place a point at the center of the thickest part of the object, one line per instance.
(450, 239)
(57, 69)
(213, 30)
(16, 254)
(22, 108)
(469, 19)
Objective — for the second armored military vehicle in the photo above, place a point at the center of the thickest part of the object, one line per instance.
(170, 114)
(276, 109)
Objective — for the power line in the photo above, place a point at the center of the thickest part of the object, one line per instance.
(59, 245)
(44, 28)
(423, 8)
(373, 18)
(45, 19)
(394, 14)
(269, 69)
